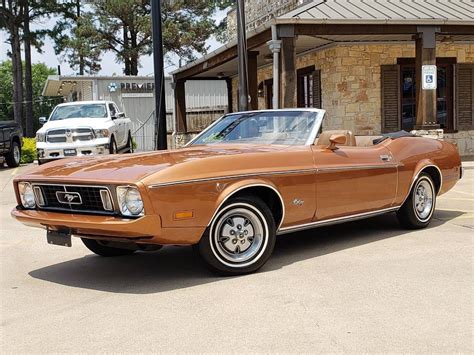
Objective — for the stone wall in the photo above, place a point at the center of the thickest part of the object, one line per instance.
(351, 84)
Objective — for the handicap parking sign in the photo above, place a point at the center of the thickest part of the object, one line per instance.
(428, 73)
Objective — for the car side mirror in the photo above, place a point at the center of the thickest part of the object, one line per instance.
(42, 120)
(336, 139)
(114, 117)
(120, 115)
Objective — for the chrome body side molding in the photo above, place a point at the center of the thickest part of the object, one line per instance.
(327, 222)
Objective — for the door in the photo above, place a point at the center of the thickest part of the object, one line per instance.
(352, 180)
(119, 123)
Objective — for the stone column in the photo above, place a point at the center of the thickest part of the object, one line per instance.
(288, 72)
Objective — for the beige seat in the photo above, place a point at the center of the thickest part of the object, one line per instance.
(324, 137)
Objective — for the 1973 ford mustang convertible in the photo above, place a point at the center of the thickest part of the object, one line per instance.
(247, 178)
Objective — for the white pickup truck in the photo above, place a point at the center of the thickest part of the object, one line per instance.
(83, 128)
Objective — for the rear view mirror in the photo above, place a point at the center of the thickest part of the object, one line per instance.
(336, 139)
(42, 120)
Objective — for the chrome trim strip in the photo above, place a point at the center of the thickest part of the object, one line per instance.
(357, 167)
(416, 178)
(244, 187)
(330, 221)
(284, 172)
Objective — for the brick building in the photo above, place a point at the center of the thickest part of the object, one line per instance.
(361, 61)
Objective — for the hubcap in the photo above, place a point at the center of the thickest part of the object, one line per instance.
(423, 199)
(16, 153)
(238, 235)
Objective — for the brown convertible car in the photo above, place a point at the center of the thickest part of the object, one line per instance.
(247, 178)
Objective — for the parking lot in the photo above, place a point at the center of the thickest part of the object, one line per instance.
(366, 286)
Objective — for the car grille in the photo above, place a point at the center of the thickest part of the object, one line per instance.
(69, 135)
(90, 199)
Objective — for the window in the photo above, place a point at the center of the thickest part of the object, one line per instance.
(305, 87)
(444, 93)
(113, 112)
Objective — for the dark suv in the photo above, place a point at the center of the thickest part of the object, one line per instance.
(10, 143)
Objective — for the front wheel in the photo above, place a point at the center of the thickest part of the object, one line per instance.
(113, 146)
(101, 248)
(241, 237)
(418, 209)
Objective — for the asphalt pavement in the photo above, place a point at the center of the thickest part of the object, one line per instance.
(365, 286)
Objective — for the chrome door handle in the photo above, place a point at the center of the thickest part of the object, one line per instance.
(385, 157)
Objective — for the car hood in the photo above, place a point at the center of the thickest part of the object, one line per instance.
(73, 122)
(182, 164)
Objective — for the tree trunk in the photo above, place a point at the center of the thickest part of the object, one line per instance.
(126, 53)
(17, 75)
(29, 119)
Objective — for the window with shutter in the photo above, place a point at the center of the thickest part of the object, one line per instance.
(465, 96)
(390, 76)
(317, 102)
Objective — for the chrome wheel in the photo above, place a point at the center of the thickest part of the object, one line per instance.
(16, 153)
(423, 199)
(239, 235)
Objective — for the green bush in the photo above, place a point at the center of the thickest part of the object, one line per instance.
(28, 150)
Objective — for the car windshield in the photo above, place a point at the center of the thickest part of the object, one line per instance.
(79, 111)
(265, 127)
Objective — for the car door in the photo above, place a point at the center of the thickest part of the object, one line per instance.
(123, 126)
(118, 122)
(352, 180)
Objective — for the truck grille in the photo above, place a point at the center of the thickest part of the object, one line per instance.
(78, 198)
(69, 135)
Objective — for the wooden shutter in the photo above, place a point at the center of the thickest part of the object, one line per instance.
(317, 102)
(464, 96)
(390, 98)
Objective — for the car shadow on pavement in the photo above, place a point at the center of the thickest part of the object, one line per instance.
(174, 268)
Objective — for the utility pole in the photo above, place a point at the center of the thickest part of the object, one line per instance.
(242, 57)
(160, 108)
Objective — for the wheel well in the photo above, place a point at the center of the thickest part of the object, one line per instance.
(16, 139)
(435, 174)
(267, 195)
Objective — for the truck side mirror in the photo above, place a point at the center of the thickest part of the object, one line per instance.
(42, 120)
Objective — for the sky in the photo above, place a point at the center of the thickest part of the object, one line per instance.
(108, 62)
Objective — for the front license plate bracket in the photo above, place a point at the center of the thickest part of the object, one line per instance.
(60, 237)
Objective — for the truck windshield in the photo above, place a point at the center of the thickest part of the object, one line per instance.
(272, 127)
(79, 111)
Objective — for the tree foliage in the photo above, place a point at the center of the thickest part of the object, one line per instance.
(42, 106)
(124, 27)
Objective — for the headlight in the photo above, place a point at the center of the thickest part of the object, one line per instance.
(40, 137)
(130, 201)
(101, 133)
(27, 195)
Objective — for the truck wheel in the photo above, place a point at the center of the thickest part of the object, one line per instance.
(101, 248)
(129, 145)
(418, 209)
(241, 237)
(113, 146)
(14, 155)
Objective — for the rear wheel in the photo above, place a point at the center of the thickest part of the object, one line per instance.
(101, 248)
(241, 237)
(14, 155)
(418, 209)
